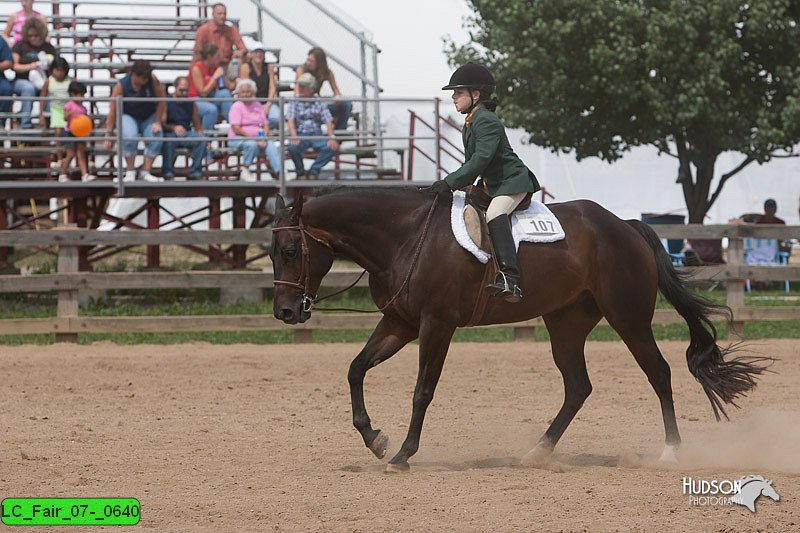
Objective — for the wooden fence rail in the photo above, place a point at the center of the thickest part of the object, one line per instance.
(68, 281)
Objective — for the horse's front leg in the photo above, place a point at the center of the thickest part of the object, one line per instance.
(434, 341)
(389, 337)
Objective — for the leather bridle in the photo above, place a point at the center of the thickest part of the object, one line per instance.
(303, 281)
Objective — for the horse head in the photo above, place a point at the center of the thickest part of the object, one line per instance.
(769, 491)
(751, 488)
(300, 259)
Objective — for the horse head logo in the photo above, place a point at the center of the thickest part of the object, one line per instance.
(751, 488)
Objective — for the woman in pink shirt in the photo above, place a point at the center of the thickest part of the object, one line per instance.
(249, 130)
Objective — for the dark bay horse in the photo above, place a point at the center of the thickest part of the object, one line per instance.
(426, 286)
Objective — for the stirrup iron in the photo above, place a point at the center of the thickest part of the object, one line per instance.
(502, 288)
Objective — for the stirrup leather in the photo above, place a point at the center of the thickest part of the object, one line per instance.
(506, 284)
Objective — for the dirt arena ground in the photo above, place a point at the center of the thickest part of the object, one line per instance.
(259, 438)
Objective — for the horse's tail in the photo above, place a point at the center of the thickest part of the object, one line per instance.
(723, 381)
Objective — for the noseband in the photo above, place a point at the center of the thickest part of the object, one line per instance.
(302, 282)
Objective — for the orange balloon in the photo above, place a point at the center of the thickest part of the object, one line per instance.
(80, 126)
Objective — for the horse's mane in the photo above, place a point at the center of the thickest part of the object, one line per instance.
(395, 191)
(748, 479)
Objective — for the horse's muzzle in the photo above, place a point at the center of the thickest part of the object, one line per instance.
(289, 316)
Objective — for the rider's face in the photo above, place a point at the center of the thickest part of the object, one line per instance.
(462, 100)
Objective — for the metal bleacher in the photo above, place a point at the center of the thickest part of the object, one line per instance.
(100, 47)
(100, 39)
(102, 42)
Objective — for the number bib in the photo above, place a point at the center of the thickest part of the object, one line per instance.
(542, 224)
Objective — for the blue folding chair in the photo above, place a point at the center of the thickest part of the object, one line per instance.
(764, 252)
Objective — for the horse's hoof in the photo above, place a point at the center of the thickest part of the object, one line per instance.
(397, 467)
(669, 455)
(538, 456)
(379, 444)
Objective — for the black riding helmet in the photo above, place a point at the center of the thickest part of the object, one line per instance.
(471, 76)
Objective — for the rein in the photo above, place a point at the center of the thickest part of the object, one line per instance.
(309, 300)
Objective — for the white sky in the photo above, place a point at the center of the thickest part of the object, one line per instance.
(409, 33)
(413, 64)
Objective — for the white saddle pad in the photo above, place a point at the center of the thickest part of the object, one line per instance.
(535, 224)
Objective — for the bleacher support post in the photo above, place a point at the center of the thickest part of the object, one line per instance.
(229, 295)
(5, 266)
(153, 251)
(214, 214)
(239, 222)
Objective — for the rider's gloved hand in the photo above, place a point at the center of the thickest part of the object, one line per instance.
(442, 190)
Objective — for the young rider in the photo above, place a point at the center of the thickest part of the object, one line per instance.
(489, 155)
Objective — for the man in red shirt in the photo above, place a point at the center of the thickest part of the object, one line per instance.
(218, 31)
(770, 208)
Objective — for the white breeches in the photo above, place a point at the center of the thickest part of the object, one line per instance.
(503, 205)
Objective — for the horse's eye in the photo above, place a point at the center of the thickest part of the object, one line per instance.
(290, 252)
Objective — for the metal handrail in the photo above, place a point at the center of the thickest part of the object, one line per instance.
(436, 159)
(282, 135)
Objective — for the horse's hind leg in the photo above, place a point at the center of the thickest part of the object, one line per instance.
(388, 338)
(635, 329)
(568, 330)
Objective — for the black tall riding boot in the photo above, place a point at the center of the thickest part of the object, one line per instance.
(506, 284)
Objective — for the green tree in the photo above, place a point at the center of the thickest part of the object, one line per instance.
(692, 78)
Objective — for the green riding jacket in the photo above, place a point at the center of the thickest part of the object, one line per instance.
(489, 155)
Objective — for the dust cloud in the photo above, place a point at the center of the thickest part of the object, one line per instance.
(763, 441)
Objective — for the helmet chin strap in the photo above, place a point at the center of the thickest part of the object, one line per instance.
(472, 104)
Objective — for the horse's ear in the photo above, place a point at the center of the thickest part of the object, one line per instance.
(297, 208)
(280, 204)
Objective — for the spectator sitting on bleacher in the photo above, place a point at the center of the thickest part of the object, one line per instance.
(139, 118)
(6, 88)
(75, 148)
(13, 32)
(263, 74)
(56, 86)
(249, 130)
(204, 81)
(32, 56)
(217, 31)
(317, 65)
(770, 208)
(181, 116)
(305, 119)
